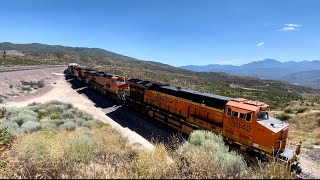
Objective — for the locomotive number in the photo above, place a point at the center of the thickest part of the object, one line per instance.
(238, 125)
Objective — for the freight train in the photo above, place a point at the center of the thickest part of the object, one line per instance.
(239, 121)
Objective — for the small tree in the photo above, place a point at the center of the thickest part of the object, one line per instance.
(4, 54)
(6, 140)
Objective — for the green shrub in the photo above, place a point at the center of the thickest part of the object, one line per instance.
(84, 129)
(205, 150)
(11, 126)
(30, 126)
(90, 123)
(302, 110)
(55, 102)
(289, 111)
(87, 116)
(42, 113)
(23, 116)
(48, 123)
(79, 121)
(283, 117)
(81, 148)
(50, 115)
(69, 125)
(58, 122)
(53, 108)
(68, 114)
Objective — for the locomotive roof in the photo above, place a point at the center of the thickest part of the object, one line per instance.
(211, 100)
(208, 95)
(145, 83)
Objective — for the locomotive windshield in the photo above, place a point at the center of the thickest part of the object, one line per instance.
(120, 80)
(263, 115)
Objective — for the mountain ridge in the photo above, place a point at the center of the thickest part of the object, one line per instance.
(265, 69)
(275, 93)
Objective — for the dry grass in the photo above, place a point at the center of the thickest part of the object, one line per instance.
(103, 153)
(304, 122)
(48, 154)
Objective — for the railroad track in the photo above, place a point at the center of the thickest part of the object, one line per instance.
(23, 68)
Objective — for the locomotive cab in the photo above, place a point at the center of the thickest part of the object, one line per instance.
(249, 123)
(72, 68)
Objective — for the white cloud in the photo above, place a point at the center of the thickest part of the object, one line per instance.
(290, 27)
(260, 44)
(225, 63)
(293, 25)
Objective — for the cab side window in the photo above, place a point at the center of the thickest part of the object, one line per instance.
(248, 118)
(235, 114)
(241, 116)
(229, 111)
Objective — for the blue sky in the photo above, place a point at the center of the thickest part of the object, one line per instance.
(175, 32)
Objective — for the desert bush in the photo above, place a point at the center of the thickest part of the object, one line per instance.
(37, 84)
(318, 122)
(52, 114)
(34, 106)
(289, 111)
(84, 129)
(26, 88)
(30, 126)
(21, 116)
(68, 114)
(48, 123)
(69, 125)
(270, 170)
(207, 156)
(47, 154)
(1, 100)
(42, 113)
(154, 165)
(79, 121)
(55, 102)
(302, 110)
(6, 141)
(53, 108)
(80, 148)
(90, 123)
(86, 116)
(12, 127)
(284, 117)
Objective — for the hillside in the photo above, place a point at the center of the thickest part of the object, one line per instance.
(276, 93)
(307, 78)
(267, 69)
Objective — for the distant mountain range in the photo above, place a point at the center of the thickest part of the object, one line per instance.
(276, 93)
(303, 73)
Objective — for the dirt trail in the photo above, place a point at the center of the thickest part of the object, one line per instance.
(60, 89)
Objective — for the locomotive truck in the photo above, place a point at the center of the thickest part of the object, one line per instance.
(239, 121)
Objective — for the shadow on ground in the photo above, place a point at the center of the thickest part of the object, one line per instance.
(148, 128)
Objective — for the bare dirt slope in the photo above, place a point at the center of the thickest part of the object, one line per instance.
(57, 88)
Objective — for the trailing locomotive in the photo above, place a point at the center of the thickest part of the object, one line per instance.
(111, 85)
(240, 121)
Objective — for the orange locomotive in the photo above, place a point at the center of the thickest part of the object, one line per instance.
(240, 121)
(112, 85)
